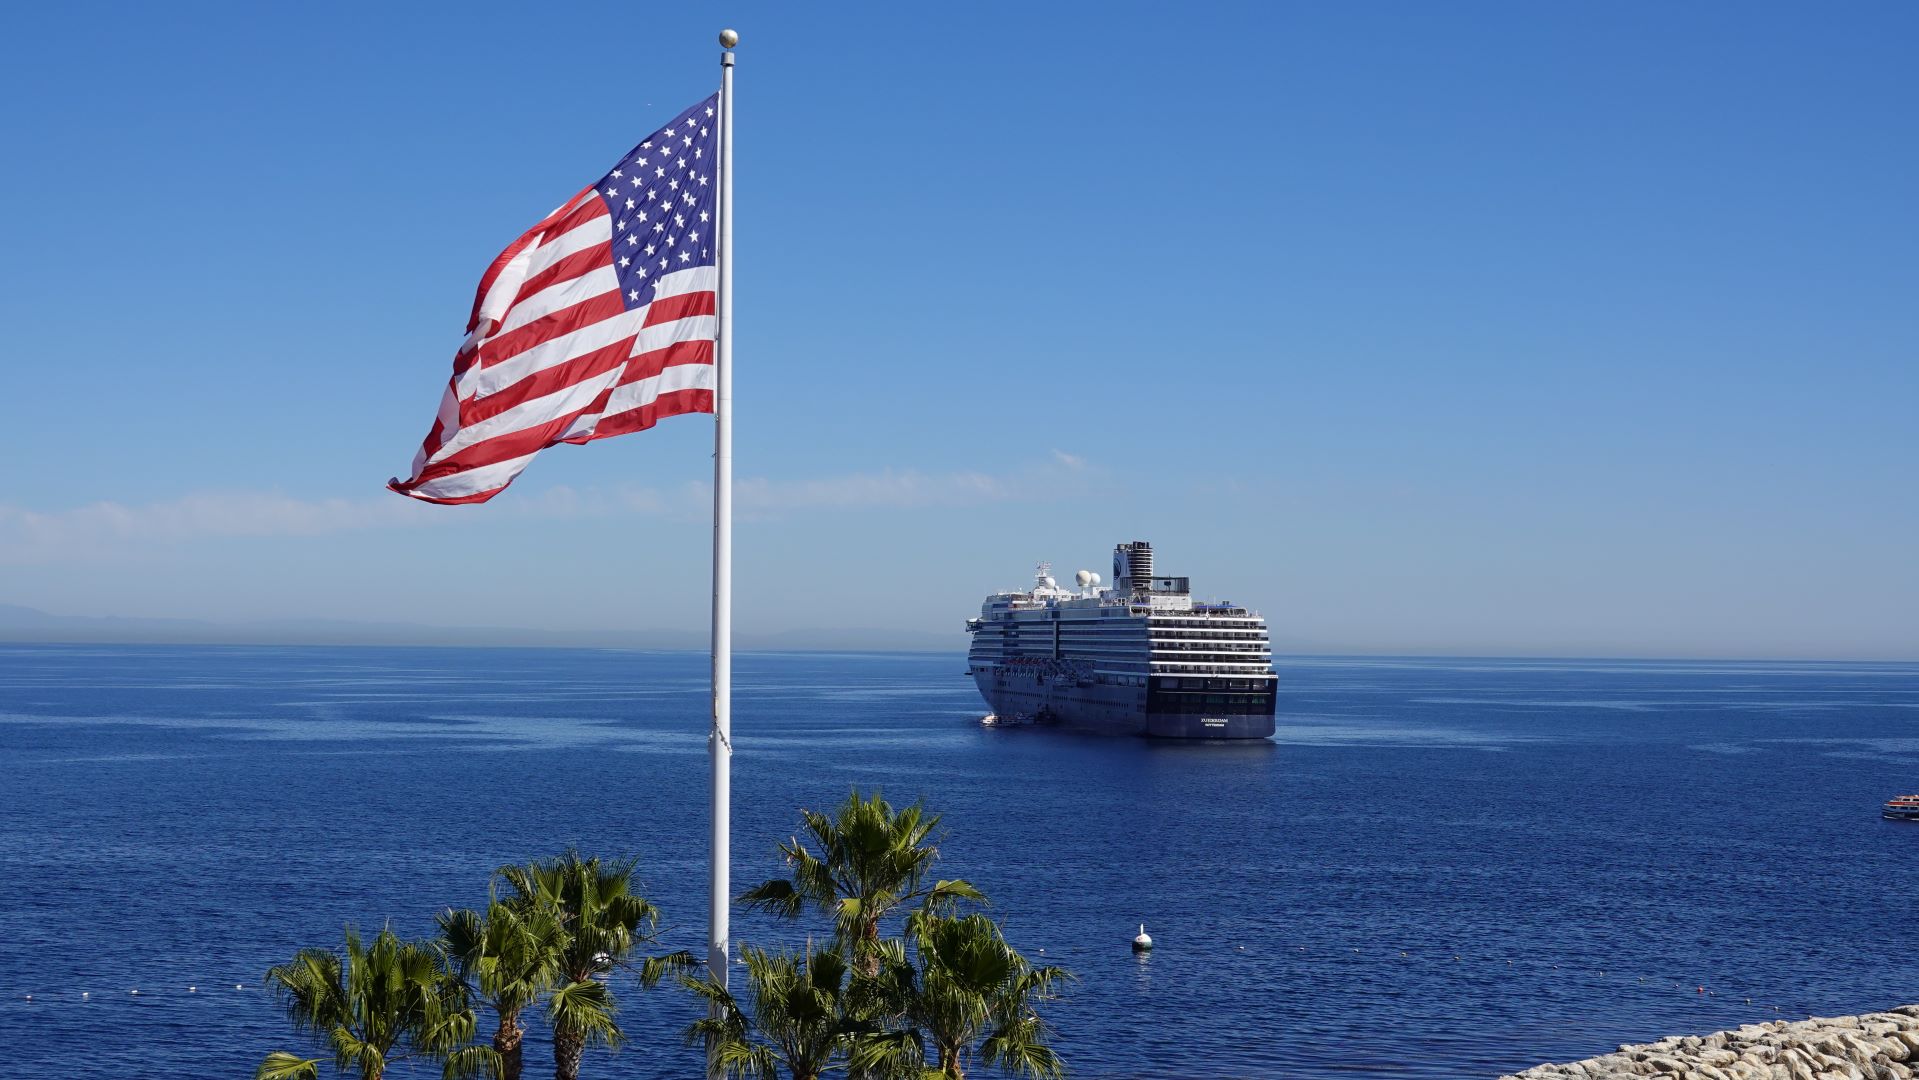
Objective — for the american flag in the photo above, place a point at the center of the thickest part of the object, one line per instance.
(597, 321)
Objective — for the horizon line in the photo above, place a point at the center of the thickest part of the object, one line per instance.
(1332, 655)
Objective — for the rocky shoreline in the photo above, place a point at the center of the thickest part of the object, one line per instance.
(1871, 1046)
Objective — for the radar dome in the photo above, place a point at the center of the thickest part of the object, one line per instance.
(1095, 582)
(1084, 577)
(1048, 581)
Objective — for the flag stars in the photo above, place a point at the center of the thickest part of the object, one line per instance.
(675, 158)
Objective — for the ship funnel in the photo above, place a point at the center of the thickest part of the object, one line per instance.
(1133, 566)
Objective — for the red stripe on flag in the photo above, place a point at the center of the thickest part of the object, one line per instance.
(679, 307)
(549, 326)
(407, 489)
(542, 383)
(648, 364)
(499, 263)
(676, 403)
(568, 268)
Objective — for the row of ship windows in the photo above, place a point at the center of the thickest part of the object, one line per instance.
(1094, 626)
(1074, 648)
(1175, 683)
(1090, 638)
(1213, 668)
(1206, 702)
(1187, 664)
(1049, 615)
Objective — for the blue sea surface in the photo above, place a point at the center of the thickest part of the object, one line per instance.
(1438, 868)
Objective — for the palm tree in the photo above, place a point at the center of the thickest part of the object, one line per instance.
(799, 1016)
(381, 1003)
(510, 958)
(598, 922)
(872, 860)
(971, 995)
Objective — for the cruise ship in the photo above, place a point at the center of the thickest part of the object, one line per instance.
(1136, 658)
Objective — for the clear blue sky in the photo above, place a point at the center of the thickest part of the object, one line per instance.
(1471, 327)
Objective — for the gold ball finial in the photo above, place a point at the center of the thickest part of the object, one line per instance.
(729, 38)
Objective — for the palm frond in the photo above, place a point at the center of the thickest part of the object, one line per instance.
(472, 1062)
(585, 1009)
(654, 968)
(281, 1065)
(777, 897)
(944, 894)
(1019, 1047)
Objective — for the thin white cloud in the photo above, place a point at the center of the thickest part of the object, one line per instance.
(110, 529)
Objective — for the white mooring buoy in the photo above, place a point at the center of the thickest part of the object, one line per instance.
(1142, 943)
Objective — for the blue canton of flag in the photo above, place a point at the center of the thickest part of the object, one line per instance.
(663, 198)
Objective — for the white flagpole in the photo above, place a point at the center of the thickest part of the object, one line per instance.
(721, 741)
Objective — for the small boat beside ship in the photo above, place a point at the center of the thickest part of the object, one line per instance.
(1901, 808)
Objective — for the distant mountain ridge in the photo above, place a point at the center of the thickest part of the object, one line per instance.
(20, 624)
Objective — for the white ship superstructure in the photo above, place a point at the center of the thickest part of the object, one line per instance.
(1138, 657)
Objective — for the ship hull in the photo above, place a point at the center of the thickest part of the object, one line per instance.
(1109, 709)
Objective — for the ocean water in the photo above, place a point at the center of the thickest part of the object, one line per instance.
(1437, 868)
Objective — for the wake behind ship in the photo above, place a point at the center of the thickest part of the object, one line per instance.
(1139, 658)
